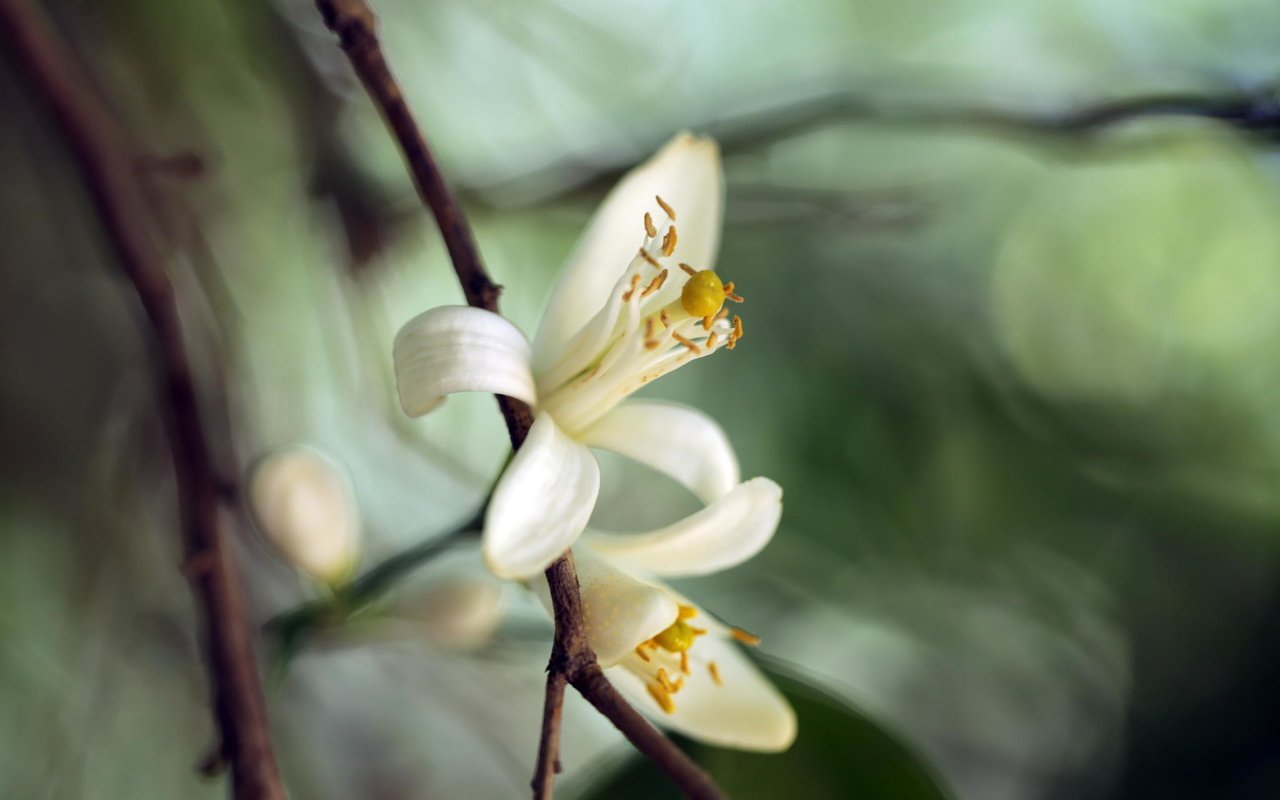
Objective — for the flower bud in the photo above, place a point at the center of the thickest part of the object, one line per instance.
(459, 613)
(305, 508)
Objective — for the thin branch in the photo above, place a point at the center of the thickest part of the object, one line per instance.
(572, 659)
(108, 172)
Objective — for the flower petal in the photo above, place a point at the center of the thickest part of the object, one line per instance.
(460, 349)
(724, 534)
(744, 711)
(619, 611)
(678, 441)
(541, 503)
(686, 173)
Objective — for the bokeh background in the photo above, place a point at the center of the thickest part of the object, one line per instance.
(1019, 382)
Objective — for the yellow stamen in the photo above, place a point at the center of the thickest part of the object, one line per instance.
(736, 334)
(698, 631)
(744, 637)
(686, 612)
(677, 685)
(645, 255)
(662, 697)
(655, 284)
(710, 343)
(671, 212)
(648, 225)
(635, 282)
(715, 673)
(664, 318)
(663, 679)
(688, 268)
(686, 342)
(684, 663)
(703, 294)
(669, 241)
(640, 652)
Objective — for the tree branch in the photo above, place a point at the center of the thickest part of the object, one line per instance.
(108, 173)
(572, 659)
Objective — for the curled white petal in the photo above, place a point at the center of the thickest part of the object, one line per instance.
(541, 503)
(678, 441)
(686, 174)
(460, 349)
(724, 534)
(619, 611)
(304, 506)
(743, 711)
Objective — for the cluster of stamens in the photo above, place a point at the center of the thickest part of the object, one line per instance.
(644, 332)
(676, 641)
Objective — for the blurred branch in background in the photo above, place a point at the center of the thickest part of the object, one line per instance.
(108, 173)
(572, 659)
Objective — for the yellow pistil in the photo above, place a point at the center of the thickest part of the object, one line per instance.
(703, 294)
(662, 697)
(648, 225)
(677, 638)
(715, 673)
(671, 212)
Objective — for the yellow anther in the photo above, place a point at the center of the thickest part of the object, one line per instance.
(664, 318)
(736, 334)
(640, 652)
(645, 255)
(662, 697)
(648, 225)
(703, 294)
(710, 343)
(729, 294)
(635, 283)
(715, 673)
(677, 638)
(669, 241)
(671, 212)
(677, 685)
(688, 268)
(686, 612)
(664, 680)
(687, 342)
(655, 284)
(684, 663)
(744, 637)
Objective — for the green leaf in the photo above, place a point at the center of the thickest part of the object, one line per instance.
(840, 752)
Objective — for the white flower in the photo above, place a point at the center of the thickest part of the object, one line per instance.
(304, 506)
(625, 311)
(665, 654)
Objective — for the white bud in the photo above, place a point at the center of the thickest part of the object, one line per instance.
(459, 613)
(305, 508)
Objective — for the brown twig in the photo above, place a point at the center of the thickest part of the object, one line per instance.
(108, 173)
(572, 659)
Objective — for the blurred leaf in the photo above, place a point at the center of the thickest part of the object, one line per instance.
(840, 753)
